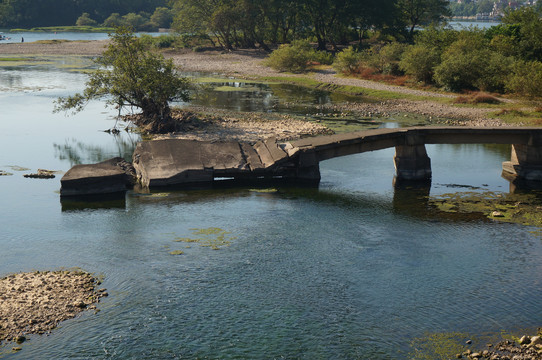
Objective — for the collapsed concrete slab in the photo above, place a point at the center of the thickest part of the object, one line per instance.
(173, 162)
(110, 176)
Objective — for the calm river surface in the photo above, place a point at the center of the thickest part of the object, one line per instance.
(350, 270)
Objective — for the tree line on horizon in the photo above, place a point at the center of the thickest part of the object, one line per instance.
(40, 13)
(236, 23)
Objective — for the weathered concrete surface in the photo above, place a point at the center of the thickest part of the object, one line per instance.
(110, 176)
(173, 162)
(412, 163)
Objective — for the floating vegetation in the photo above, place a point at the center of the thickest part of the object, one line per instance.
(17, 168)
(438, 346)
(264, 191)
(5, 173)
(515, 208)
(176, 252)
(214, 238)
(236, 88)
(13, 59)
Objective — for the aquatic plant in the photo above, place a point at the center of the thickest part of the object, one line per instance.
(515, 208)
(438, 346)
(212, 237)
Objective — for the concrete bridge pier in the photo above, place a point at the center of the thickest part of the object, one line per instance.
(412, 162)
(525, 161)
(308, 168)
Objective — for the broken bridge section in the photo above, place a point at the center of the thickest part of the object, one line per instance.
(174, 162)
(177, 162)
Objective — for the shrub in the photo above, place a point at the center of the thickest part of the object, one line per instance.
(85, 20)
(435, 38)
(322, 57)
(494, 75)
(419, 61)
(296, 57)
(468, 64)
(526, 79)
(484, 98)
(389, 57)
(347, 61)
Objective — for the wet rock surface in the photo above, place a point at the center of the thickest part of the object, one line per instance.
(36, 302)
(527, 348)
(41, 174)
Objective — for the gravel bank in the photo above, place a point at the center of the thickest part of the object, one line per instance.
(35, 302)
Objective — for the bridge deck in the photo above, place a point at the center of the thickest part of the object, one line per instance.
(330, 146)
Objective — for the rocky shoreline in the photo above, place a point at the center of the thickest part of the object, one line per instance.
(526, 348)
(36, 302)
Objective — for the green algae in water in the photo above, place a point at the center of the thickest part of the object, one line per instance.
(514, 208)
(213, 237)
(18, 168)
(264, 191)
(176, 252)
(438, 346)
(236, 88)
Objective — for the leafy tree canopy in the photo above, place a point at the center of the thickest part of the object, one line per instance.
(131, 75)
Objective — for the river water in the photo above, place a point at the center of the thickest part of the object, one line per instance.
(354, 269)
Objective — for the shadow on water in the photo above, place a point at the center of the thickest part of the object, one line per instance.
(94, 202)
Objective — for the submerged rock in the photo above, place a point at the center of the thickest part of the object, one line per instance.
(41, 174)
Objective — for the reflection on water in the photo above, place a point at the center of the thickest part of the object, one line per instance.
(353, 269)
(78, 152)
(262, 97)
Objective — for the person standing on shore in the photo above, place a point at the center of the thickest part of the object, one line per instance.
(22, 39)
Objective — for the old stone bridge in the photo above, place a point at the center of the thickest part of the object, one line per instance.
(174, 162)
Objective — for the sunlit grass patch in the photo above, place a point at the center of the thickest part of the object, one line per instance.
(519, 116)
(236, 88)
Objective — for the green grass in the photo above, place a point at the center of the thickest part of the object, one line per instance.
(349, 90)
(14, 59)
(518, 116)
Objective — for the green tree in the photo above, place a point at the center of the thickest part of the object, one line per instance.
(133, 20)
(85, 20)
(469, 64)
(526, 79)
(162, 17)
(530, 31)
(113, 20)
(419, 61)
(423, 12)
(131, 75)
(294, 58)
(347, 61)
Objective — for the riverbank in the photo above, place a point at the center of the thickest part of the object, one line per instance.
(249, 64)
(36, 302)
